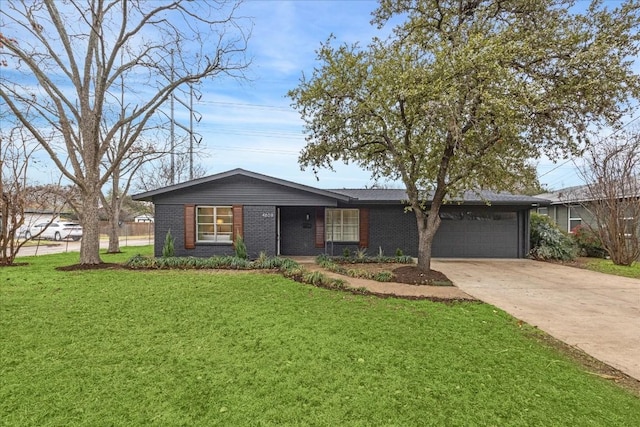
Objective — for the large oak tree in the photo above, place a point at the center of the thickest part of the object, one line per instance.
(66, 61)
(465, 93)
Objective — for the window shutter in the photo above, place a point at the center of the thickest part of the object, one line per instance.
(320, 228)
(238, 225)
(189, 226)
(364, 228)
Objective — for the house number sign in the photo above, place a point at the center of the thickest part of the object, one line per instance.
(268, 215)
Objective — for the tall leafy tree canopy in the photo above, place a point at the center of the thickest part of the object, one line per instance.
(465, 93)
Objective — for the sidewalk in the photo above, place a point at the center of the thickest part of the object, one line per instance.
(401, 290)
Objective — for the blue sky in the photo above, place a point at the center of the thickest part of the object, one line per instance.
(250, 124)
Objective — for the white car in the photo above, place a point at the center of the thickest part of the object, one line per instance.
(56, 231)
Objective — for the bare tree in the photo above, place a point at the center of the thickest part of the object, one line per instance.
(121, 180)
(67, 61)
(16, 195)
(159, 173)
(612, 195)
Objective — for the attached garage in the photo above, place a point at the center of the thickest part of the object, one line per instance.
(478, 233)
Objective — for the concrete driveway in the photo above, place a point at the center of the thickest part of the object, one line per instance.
(598, 313)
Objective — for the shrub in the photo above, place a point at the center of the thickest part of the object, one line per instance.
(240, 247)
(361, 254)
(383, 276)
(346, 253)
(139, 261)
(168, 249)
(315, 278)
(548, 241)
(588, 242)
(399, 253)
(403, 259)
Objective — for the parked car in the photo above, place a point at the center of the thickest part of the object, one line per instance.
(56, 231)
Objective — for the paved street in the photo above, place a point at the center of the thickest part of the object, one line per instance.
(46, 247)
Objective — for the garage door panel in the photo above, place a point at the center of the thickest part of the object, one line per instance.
(477, 235)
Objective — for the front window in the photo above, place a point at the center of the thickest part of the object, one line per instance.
(342, 225)
(574, 218)
(629, 226)
(214, 224)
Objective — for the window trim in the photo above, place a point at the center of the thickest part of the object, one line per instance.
(216, 239)
(627, 221)
(330, 230)
(572, 218)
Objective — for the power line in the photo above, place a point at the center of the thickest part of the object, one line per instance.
(256, 150)
(255, 106)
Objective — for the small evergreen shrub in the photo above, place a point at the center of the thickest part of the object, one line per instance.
(346, 253)
(588, 242)
(399, 253)
(168, 249)
(240, 247)
(548, 241)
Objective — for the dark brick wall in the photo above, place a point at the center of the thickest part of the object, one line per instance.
(169, 217)
(391, 228)
(260, 230)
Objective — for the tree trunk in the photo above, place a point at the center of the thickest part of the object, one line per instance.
(90, 246)
(114, 227)
(428, 224)
(114, 239)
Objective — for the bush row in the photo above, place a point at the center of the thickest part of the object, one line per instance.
(286, 266)
(216, 262)
(325, 261)
(361, 256)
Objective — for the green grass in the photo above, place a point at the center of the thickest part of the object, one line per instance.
(607, 266)
(169, 348)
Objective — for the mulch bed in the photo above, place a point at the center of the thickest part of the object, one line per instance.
(412, 275)
(81, 267)
(403, 273)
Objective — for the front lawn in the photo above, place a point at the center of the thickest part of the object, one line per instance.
(165, 348)
(607, 266)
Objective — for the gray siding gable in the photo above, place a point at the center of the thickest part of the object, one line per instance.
(244, 190)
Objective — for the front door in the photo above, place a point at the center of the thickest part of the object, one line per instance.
(296, 233)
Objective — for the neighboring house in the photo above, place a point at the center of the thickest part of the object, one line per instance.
(143, 218)
(569, 207)
(280, 217)
(565, 207)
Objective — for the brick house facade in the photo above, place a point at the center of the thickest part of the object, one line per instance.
(280, 217)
